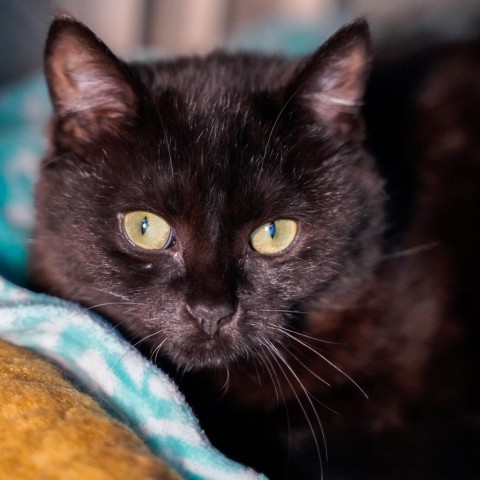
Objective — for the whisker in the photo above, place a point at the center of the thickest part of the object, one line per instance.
(307, 393)
(313, 397)
(157, 349)
(308, 369)
(284, 401)
(338, 369)
(144, 338)
(282, 311)
(132, 347)
(265, 152)
(276, 355)
(295, 332)
(167, 143)
(112, 303)
(411, 251)
(259, 378)
(226, 385)
(108, 292)
(273, 375)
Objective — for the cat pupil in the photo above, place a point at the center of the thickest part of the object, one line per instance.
(144, 225)
(272, 229)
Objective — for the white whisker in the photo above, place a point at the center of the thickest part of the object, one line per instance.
(295, 332)
(276, 355)
(411, 251)
(154, 354)
(132, 347)
(282, 311)
(112, 303)
(108, 292)
(308, 369)
(338, 369)
(226, 385)
(273, 375)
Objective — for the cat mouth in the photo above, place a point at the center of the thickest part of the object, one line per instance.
(201, 347)
(202, 351)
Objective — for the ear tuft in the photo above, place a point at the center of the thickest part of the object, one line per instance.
(90, 88)
(331, 84)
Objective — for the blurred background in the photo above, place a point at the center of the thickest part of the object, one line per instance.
(196, 26)
(136, 28)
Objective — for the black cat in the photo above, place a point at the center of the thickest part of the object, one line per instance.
(224, 212)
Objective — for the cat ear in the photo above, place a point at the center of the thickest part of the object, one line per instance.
(330, 86)
(90, 88)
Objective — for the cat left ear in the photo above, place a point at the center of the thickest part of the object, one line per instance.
(90, 88)
(331, 84)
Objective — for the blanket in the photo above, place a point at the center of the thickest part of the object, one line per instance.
(133, 389)
(51, 430)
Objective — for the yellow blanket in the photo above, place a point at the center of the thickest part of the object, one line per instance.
(51, 430)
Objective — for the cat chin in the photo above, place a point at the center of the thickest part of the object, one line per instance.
(202, 359)
(194, 354)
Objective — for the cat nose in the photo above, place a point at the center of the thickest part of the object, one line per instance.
(211, 316)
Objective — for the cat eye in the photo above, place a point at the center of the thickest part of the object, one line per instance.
(273, 237)
(147, 231)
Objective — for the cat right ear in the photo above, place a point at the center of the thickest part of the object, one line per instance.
(91, 89)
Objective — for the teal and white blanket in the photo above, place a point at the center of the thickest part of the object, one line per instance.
(88, 348)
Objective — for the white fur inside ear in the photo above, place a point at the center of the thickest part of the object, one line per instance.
(84, 81)
(325, 99)
(332, 82)
(91, 90)
(340, 85)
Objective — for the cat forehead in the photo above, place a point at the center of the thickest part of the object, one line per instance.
(212, 181)
(221, 105)
(217, 73)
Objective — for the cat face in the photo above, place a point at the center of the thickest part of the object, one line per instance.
(199, 203)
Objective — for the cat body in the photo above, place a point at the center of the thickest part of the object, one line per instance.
(351, 337)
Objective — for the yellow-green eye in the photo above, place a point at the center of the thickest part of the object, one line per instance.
(273, 237)
(147, 230)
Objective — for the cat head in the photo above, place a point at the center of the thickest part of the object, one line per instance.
(201, 203)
